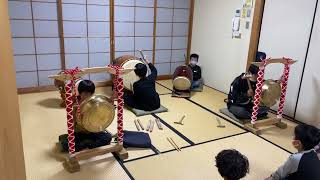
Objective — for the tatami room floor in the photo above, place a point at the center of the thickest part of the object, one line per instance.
(200, 139)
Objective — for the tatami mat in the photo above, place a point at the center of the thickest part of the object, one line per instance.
(199, 124)
(42, 122)
(198, 162)
(158, 137)
(214, 100)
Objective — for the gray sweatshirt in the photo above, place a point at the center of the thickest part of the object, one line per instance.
(289, 167)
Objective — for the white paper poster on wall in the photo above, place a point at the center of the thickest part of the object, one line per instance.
(247, 3)
(236, 24)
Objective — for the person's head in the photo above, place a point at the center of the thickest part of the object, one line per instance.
(232, 165)
(85, 89)
(141, 70)
(253, 72)
(306, 137)
(194, 58)
(260, 56)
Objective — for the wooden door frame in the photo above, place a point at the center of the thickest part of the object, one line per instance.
(255, 31)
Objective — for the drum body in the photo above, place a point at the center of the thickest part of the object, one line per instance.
(182, 78)
(96, 113)
(128, 61)
(61, 87)
(271, 92)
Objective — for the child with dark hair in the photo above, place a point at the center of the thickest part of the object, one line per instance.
(145, 96)
(84, 89)
(84, 139)
(305, 164)
(240, 97)
(232, 165)
(196, 70)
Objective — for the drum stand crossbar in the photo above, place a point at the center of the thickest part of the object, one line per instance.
(71, 163)
(255, 125)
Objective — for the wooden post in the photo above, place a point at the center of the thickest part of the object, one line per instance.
(154, 31)
(61, 35)
(111, 25)
(255, 31)
(191, 11)
(11, 149)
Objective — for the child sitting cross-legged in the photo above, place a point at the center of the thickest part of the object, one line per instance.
(305, 164)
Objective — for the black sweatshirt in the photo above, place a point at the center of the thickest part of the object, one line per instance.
(144, 91)
(196, 70)
(238, 94)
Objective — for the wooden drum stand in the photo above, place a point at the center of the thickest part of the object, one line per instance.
(71, 163)
(255, 125)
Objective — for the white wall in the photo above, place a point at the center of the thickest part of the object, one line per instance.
(285, 32)
(221, 57)
(309, 100)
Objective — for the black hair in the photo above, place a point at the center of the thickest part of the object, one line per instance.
(232, 165)
(260, 56)
(141, 70)
(308, 135)
(86, 86)
(194, 56)
(253, 69)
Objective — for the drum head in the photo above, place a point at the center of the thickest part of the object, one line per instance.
(131, 77)
(97, 113)
(181, 83)
(271, 92)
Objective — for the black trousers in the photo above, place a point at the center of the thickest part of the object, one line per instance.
(245, 112)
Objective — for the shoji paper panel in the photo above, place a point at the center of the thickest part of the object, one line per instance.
(144, 24)
(35, 41)
(124, 15)
(87, 35)
(172, 32)
(164, 31)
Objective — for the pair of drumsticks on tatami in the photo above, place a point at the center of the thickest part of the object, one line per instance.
(174, 144)
(150, 125)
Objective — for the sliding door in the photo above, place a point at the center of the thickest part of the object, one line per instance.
(53, 35)
(171, 34)
(86, 35)
(34, 27)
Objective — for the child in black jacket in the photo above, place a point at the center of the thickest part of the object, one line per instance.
(144, 95)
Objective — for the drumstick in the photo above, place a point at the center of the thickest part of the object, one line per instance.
(140, 124)
(185, 57)
(172, 144)
(151, 126)
(135, 122)
(181, 120)
(159, 123)
(175, 144)
(249, 84)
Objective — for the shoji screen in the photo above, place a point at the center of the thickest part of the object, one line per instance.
(86, 34)
(124, 16)
(179, 33)
(171, 34)
(309, 99)
(36, 46)
(133, 22)
(143, 27)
